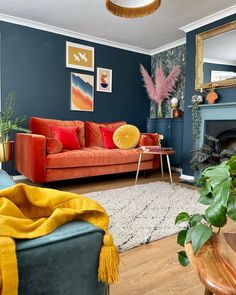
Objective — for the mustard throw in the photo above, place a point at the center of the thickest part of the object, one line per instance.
(29, 212)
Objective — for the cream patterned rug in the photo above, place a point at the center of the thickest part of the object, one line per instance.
(144, 213)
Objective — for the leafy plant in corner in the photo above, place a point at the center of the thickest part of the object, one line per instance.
(218, 192)
(7, 123)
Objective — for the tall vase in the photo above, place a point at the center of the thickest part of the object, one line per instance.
(159, 110)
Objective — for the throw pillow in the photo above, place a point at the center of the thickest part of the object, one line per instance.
(148, 139)
(107, 134)
(54, 146)
(126, 137)
(93, 136)
(68, 136)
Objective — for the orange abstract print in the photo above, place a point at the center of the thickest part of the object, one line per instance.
(81, 92)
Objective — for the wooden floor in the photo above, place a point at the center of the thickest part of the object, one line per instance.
(151, 269)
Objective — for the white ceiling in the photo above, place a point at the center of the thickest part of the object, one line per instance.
(91, 18)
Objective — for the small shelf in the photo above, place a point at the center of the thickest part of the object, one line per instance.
(215, 105)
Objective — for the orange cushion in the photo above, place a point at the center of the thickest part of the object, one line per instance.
(93, 136)
(148, 139)
(67, 136)
(94, 156)
(126, 137)
(53, 146)
(107, 136)
(41, 126)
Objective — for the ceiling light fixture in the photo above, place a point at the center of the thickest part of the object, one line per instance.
(132, 8)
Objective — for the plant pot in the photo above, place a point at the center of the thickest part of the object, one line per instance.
(212, 97)
(6, 151)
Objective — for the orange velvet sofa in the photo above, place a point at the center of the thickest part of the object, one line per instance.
(34, 161)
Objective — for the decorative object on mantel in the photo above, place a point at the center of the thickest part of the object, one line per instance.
(163, 86)
(197, 98)
(132, 8)
(212, 96)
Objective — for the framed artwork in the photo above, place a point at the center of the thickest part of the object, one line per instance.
(79, 56)
(82, 91)
(104, 80)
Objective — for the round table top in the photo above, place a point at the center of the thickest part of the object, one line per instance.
(157, 150)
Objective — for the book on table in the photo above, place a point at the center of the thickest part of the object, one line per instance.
(153, 148)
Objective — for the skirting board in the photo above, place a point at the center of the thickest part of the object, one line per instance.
(186, 177)
(19, 177)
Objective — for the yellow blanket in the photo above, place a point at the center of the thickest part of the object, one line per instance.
(29, 212)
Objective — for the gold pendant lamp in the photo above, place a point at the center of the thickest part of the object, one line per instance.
(132, 8)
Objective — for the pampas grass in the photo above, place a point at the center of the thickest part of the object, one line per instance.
(163, 86)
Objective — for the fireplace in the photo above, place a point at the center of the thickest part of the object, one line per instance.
(225, 132)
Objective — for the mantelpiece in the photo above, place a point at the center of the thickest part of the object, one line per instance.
(217, 111)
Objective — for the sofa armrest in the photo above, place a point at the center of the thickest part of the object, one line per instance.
(31, 156)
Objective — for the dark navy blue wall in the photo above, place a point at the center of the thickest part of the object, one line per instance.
(225, 94)
(208, 67)
(33, 65)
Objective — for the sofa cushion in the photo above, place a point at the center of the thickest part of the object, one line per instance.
(94, 156)
(126, 137)
(107, 136)
(148, 139)
(68, 136)
(53, 146)
(41, 126)
(93, 135)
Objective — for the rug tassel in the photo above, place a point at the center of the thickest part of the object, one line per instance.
(108, 261)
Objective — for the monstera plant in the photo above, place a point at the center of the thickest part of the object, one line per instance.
(218, 193)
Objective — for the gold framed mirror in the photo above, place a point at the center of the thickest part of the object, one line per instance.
(216, 57)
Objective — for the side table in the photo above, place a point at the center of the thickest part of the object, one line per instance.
(215, 263)
(156, 150)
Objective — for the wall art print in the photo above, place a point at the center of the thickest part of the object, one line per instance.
(82, 92)
(104, 80)
(79, 56)
(167, 59)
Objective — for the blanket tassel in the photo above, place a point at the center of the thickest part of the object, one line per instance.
(108, 261)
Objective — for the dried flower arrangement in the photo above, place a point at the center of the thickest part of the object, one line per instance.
(163, 86)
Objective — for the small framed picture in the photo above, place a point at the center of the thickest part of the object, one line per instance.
(79, 56)
(82, 91)
(104, 80)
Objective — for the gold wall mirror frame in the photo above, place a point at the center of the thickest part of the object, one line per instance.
(200, 38)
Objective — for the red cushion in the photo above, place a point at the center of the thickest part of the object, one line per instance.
(54, 146)
(67, 136)
(93, 136)
(107, 136)
(147, 139)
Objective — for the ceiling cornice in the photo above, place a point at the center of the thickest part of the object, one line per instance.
(68, 33)
(219, 62)
(168, 46)
(209, 19)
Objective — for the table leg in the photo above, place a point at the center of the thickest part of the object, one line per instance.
(169, 168)
(207, 292)
(139, 163)
(162, 174)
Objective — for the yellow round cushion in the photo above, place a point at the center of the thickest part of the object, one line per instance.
(126, 137)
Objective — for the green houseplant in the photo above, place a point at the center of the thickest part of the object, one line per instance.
(218, 192)
(7, 125)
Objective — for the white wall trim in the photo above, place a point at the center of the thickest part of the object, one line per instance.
(19, 177)
(219, 62)
(209, 19)
(68, 33)
(186, 177)
(168, 46)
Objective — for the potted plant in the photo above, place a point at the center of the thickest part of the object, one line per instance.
(218, 192)
(7, 125)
